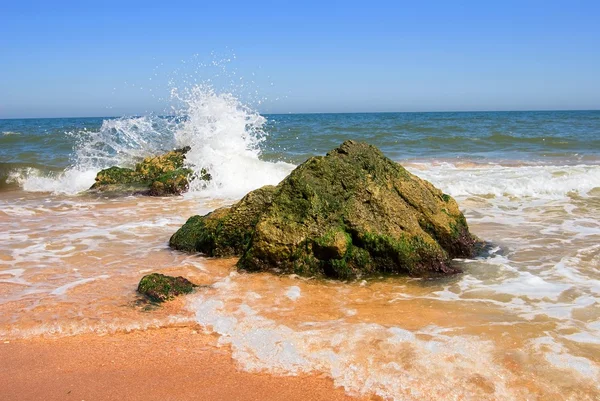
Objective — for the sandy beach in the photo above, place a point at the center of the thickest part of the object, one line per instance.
(518, 324)
(164, 364)
(284, 201)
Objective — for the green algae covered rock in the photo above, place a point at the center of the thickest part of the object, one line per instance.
(226, 231)
(156, 176)
(350, 213)
(160, 288)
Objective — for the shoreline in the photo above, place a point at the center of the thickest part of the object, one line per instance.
(172, 363)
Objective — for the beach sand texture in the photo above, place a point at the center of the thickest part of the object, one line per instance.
(166, 364)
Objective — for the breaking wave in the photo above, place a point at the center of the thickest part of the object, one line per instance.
(223, 133)
(543, 182)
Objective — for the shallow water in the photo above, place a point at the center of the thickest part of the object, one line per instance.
(521, 322)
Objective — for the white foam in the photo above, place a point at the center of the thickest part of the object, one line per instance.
(16, 210)
(224, 135)
(13, 272)
(64, 288)
(156, 223)
(76, 327)
(582, 227)
(567, 269)
(293, 293)
(531, 286)
(15, 276)
(558, 355)
(546, 182)
(400, 335)
(364, 358)
(583, 337)
(71, 181)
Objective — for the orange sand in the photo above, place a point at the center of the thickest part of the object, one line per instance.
(164, 364)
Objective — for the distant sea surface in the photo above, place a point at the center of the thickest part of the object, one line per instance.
(521, 322)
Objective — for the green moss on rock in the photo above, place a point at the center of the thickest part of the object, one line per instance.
(117, 175)
(156, 176)
(352, 212)
(226, 231)
(332, 245)
(160, 288)
(170, 183)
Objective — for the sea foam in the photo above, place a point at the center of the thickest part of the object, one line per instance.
(223, 133)
(225, 137)
(363, 358)
(545, 182)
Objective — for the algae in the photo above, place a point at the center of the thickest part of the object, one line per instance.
(350, 213)
(160, 288)
(161, 175)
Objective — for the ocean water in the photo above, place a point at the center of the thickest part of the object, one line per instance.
(521, 323)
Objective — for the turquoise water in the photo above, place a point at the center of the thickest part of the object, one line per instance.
(548, 137)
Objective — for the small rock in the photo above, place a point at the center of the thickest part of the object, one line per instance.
(161, 175)
(160, 288)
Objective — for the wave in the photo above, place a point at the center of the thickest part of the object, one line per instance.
(439, 139)
(14, 175)
(542, 182)
(8, 138)
(225, 137)
(223, 133)
(362, 357)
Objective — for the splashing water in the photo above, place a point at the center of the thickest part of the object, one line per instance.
(119, 142)
(224, 136)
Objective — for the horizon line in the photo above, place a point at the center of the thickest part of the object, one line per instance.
(320, 112)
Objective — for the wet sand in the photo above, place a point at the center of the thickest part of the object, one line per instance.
(162, 364)
(521, 323)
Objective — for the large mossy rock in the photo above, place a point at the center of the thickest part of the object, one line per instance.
(160, 288)
(353, 212)
(156, 176)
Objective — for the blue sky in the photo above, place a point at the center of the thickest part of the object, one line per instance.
(109, 58)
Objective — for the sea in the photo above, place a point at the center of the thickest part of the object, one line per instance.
(522, 322)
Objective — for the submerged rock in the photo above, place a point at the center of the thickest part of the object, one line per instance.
(352, 212)
(156, 176)
(160, 288)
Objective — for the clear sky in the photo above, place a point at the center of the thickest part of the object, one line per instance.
(106, 58)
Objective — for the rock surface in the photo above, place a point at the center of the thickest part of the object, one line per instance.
(226, 231)
(350, 213)
(160, 288)
(156, 176)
